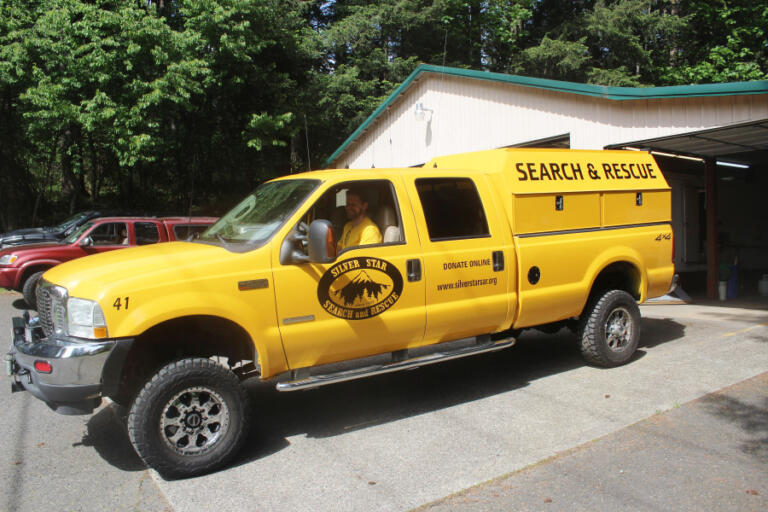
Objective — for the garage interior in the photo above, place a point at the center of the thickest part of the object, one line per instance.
(719, 209)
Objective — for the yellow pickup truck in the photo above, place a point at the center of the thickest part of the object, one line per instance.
(334, 275)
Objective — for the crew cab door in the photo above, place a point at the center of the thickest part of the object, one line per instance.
(466, 248)
(369, 300)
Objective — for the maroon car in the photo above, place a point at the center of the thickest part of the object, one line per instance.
(22, 266)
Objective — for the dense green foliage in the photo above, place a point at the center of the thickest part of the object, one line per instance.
(184, 105)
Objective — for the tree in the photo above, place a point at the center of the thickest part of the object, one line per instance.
(177, 105)
(723, 42)
(608, 42)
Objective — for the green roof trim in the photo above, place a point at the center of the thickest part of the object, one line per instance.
(599, 91)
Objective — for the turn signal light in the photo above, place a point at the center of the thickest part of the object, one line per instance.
(330, 244)
(43, 367)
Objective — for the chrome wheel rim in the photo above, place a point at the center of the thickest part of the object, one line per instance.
(618, 329)
(194, 420)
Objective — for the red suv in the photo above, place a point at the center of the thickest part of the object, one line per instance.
(22, 266)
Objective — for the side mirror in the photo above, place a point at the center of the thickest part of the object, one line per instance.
(322, 245)
(86, 242)
(319, 239)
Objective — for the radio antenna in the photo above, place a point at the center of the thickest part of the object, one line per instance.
(445, 50)
(306, 138)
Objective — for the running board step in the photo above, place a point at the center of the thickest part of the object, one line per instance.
(315, 381)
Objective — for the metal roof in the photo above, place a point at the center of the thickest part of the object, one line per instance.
(599, 91)
(737, 140)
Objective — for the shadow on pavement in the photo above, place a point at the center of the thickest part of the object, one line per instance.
(106, 433)
(351, 406)
(752, 418)
(656, 331)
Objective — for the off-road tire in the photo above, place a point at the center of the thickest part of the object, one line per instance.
(29, 289)
(172, 393)
(609, 329)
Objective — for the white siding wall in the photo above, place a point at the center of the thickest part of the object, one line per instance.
(469, 115)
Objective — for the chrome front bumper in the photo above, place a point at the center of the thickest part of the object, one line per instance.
(74, 384)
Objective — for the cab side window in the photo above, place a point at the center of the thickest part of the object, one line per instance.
(110, 233)
(342, 203)
(452, 208)
(146, 233)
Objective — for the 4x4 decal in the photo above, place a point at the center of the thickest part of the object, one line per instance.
(360, 288)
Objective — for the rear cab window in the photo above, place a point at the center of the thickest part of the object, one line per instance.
(146, 233)
(452, 208)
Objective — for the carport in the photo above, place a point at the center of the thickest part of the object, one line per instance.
(723, 155)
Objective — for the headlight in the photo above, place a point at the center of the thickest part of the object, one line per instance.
(85, 319)
(8, 259)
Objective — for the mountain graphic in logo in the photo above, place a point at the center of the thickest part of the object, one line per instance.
(359, 287)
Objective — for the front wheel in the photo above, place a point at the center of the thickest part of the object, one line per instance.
(29, 289)
(190, 418)
(610, 329)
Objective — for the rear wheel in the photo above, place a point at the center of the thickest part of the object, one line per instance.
(190, 418)
(29, 289)
(610, 329)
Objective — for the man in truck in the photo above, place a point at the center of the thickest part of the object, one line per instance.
(360, 229)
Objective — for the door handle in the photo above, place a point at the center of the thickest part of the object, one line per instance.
(498, 261)
(413, 270)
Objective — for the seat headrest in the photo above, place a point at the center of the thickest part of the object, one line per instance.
(385, 217)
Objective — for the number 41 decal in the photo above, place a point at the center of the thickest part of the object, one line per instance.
(117, 304)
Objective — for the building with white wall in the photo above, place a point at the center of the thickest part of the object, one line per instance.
(710, 140)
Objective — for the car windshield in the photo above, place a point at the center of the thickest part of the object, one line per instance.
(258, 216)
(72, 238)
(70, 221)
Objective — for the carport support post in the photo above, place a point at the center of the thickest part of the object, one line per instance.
(710, 166)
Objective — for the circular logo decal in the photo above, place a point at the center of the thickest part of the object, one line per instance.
(359, 288)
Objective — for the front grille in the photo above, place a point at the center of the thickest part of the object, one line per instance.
(44, 308)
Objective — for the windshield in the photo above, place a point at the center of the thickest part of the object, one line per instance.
(258, 216)
(72, 238)
(70, 221)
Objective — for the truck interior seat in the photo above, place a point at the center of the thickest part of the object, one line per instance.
(387, 222)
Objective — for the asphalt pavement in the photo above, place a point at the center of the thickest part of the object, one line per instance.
(709, 454)
(534, 419)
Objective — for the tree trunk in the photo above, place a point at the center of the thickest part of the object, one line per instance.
(69, 182)
(46, 180)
